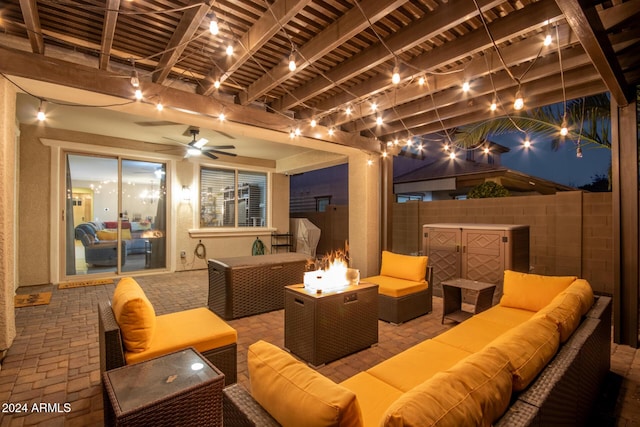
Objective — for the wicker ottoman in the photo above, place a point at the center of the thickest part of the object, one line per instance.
(244, 286)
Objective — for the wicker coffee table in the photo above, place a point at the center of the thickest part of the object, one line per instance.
(452, 298)
(181, 388)
(320, 328)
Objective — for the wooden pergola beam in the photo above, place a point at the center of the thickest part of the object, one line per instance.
(189, 24)
(32, 22)
(587, 26)
(108, 30)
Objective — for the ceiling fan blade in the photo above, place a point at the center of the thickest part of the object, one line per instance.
(222, 147)
(208, 154)
(210, 150)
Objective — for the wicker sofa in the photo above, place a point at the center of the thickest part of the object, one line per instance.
(535, 359)
(130, 332)
(404, 287)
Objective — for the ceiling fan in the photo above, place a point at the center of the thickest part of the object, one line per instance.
(197, 146)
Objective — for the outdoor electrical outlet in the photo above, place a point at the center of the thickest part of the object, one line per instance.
(183, 254)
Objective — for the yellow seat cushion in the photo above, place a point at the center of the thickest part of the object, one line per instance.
(472, 335)
(532, 291)
(417, 364)
(394, 287)
(474, 392)
(134, 314)
(374, 396)
(507, 316)
(199, 328)
(565, 311)
(408, 267)
(296, 395)
(530, 347)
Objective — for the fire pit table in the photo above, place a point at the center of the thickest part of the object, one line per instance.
(320, 327)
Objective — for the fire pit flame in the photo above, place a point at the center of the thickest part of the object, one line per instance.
(335, 275)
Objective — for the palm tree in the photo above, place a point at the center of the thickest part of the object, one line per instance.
(588, 123)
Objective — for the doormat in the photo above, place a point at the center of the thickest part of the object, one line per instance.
(82, 283)
(42, 298)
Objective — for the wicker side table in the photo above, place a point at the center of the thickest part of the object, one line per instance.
(321, 328)
(181, 388)
(452, 298)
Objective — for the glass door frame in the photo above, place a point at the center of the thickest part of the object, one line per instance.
(62, 233)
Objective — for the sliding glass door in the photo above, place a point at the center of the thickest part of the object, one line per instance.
(115, 215)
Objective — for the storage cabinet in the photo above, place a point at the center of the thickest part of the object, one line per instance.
(475, 251)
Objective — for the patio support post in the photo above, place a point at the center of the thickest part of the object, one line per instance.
(626, 250)
(387, 204)
(8, 226)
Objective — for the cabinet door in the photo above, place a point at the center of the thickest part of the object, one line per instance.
(442, 245)
(483, 255)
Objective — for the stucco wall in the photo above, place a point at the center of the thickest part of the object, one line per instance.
(570, 232)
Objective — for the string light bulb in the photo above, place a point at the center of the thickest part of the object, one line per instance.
(527, 142)
(159, 106)
(138, 94)
(313, 123)
(374, 106)
(452, 155)
(292, 62)
(486, 150)
(395, 77)
(213, 25)
(564, 131)
(446, 147)
(222, 117)
(229, 49)
(547, 40)
(348, 110)
(466, 86)
(331, 131)
(421, 81)
(379, 120)
(292, 134)
(518, 103)
(369, 162)
(384, 154)
(41, 116)
(216, 83)
(579, 152)
(494, 105)
(135, 79)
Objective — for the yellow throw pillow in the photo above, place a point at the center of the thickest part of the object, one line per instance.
(135, 315)
(126, 234)
(406, 267)
(530, 346)
(532, 291)
(475, 391)
(107, 235)
(296, 395)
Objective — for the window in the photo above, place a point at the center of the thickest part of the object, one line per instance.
(232, 198)
(322, 202)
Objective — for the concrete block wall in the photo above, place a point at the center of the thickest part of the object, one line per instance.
(570, 232)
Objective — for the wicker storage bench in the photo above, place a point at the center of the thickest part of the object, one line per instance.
(244, 286)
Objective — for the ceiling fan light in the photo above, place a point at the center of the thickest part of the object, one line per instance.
(193, 151)
(200, 143)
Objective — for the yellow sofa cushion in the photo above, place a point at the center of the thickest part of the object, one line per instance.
(134, 314)
(417, 364)
(472, 335)
(296, 395)
(507, 316)
(583, 290)
(476, 391)
(199, 328)
(374, 396)
(530, 347)
(406, 267)
(565, 311)
(532, 291)
(394, 287)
